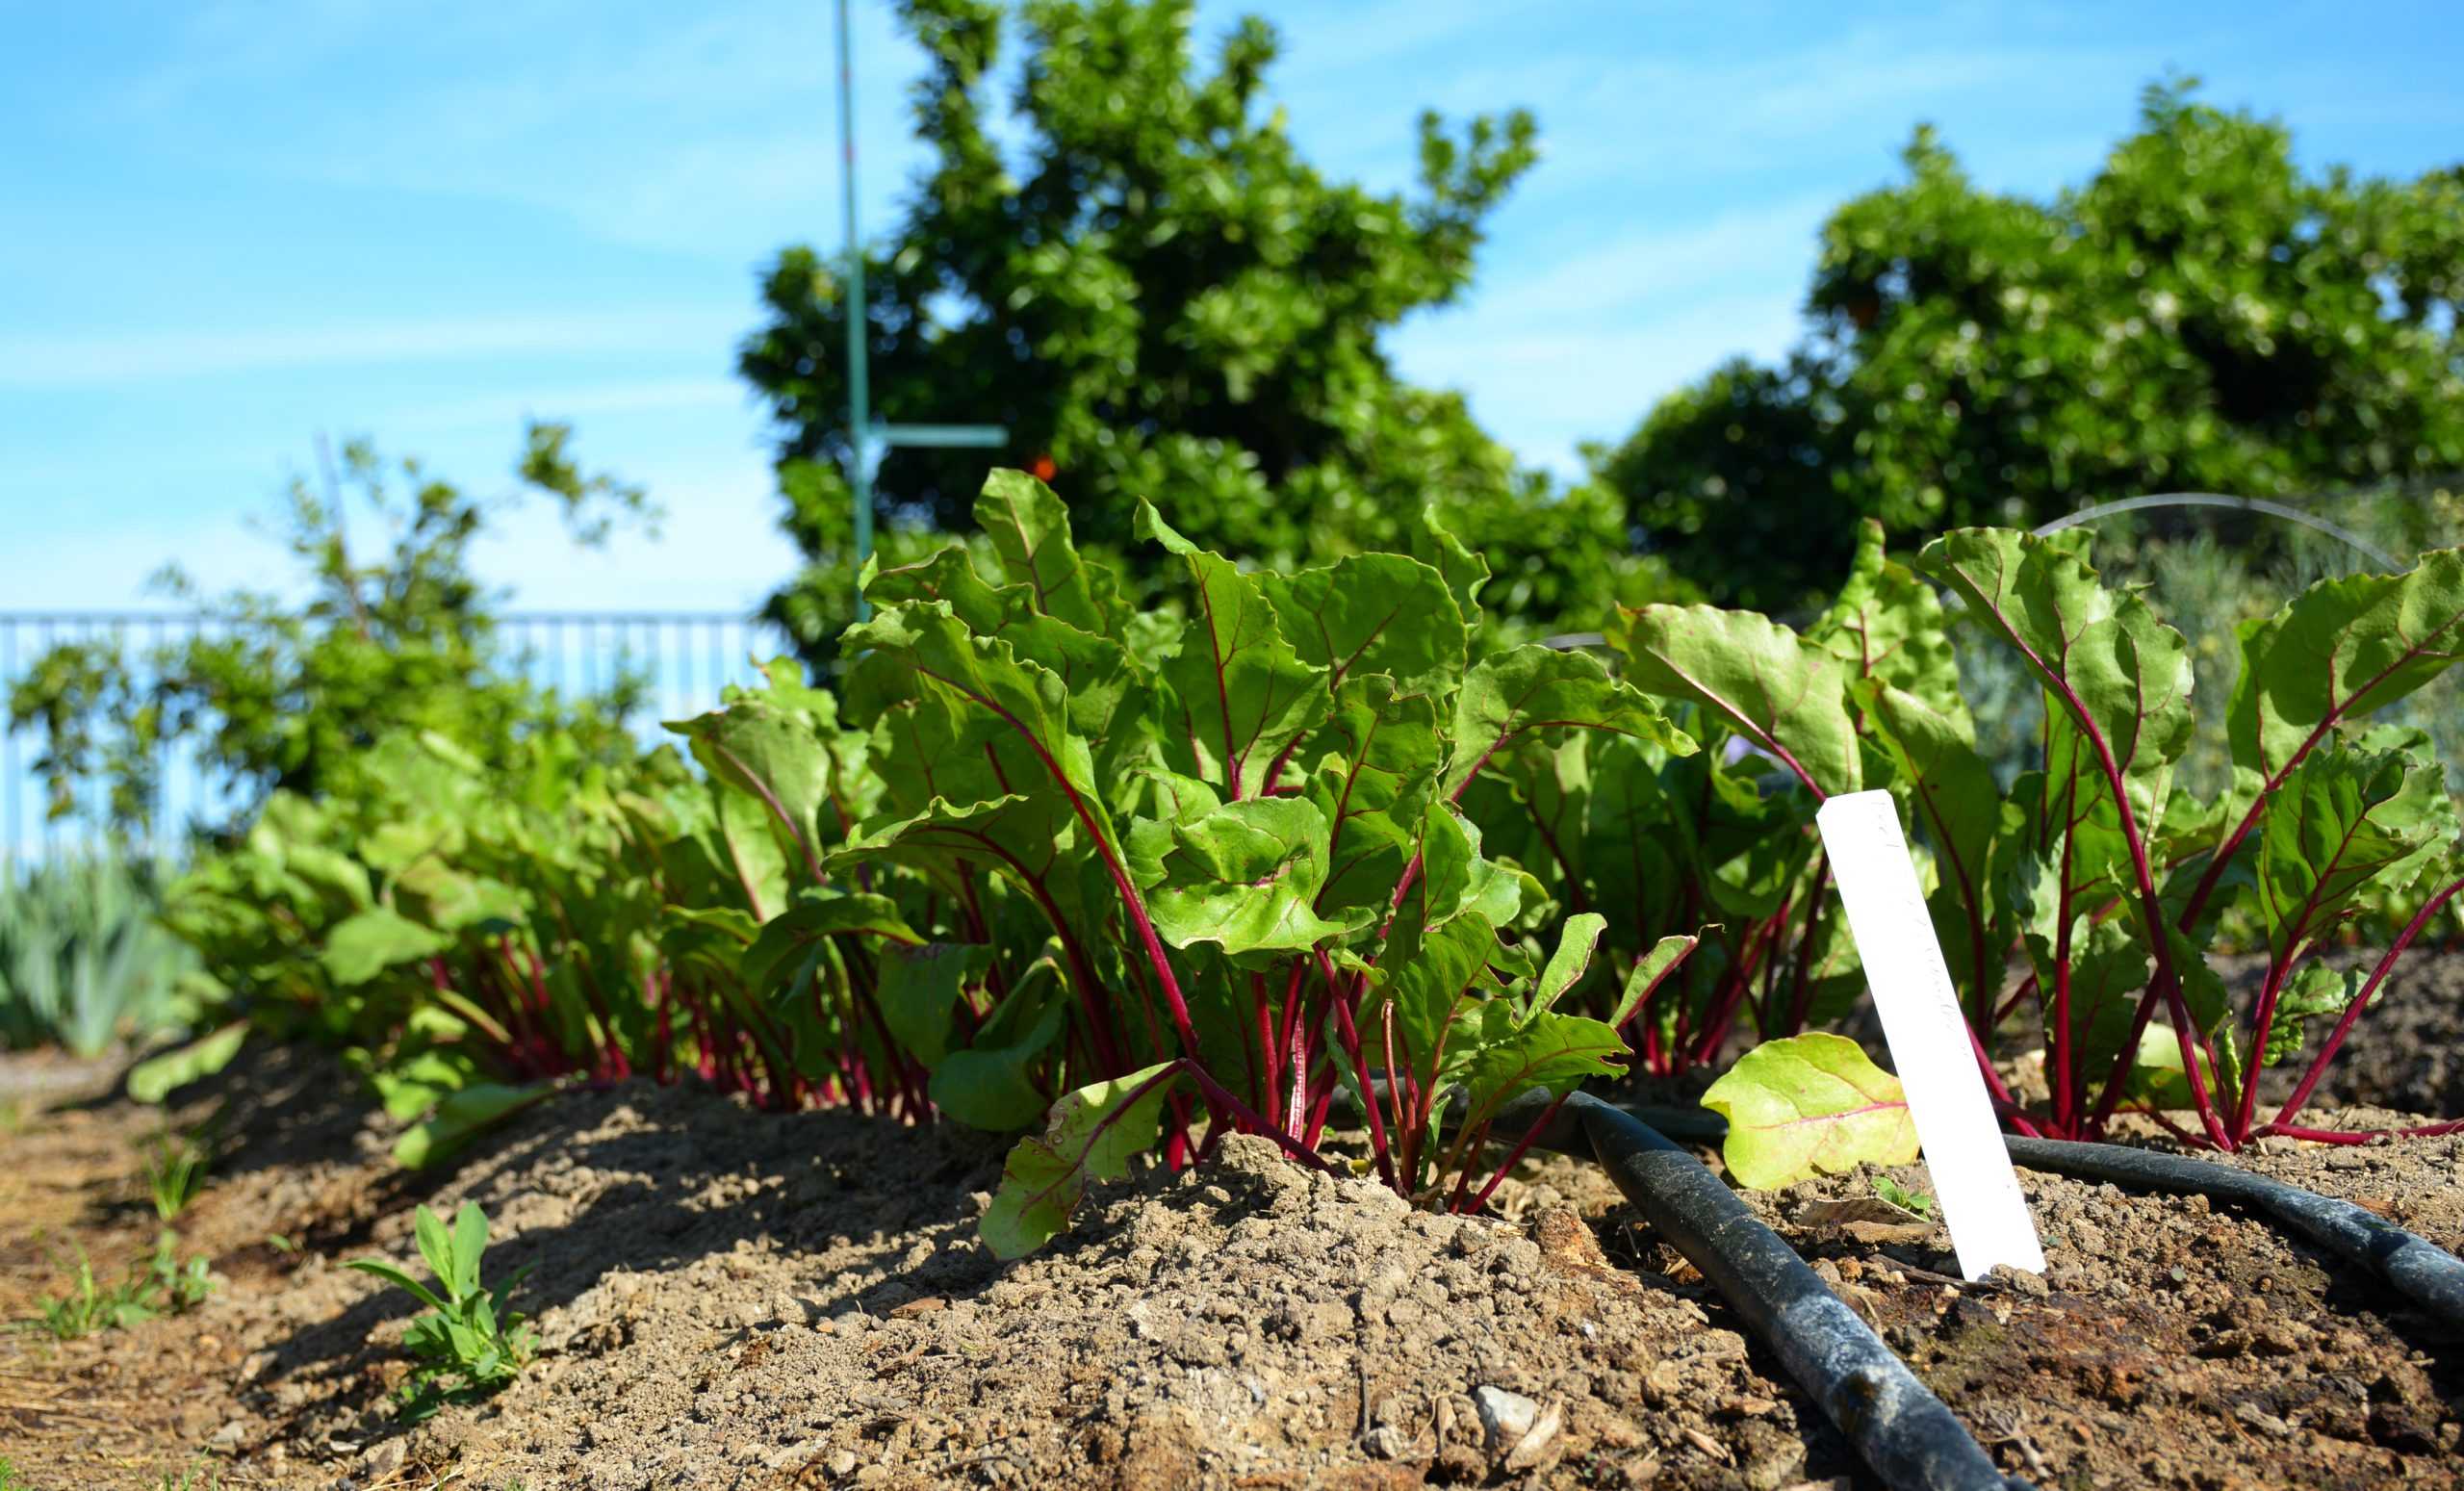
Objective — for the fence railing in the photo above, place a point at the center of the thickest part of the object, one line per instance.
(681, 660)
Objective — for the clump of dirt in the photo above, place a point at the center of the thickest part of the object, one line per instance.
(732, 1298)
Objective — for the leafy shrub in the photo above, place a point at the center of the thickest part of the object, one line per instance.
(2201, 313)
(82, 960)
(1154, 290)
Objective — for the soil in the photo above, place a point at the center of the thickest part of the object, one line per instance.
(730, 1298)
(2406, 1052)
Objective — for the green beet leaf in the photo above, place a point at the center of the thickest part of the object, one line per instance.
(778, 759)
(990, 1083)
(819, 913)
(2341, 821)
(1029, 527)
(1539, 688)
(366, 945)
(1953, 794)
(1244, 693)
(1571, 960)
(1372, 614)
(1510, 1054)
(2315, 991)
(919, 989)
(950, 576)
(1093, 1135)
(1807, 1103)
(1245, 877)
(2117, 675)
(2342, 649)
(1783, 693)
(1649, 970)
(1372, 783)
(1464, 571)
(1888, 630)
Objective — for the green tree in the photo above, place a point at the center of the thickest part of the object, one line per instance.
(2200, 316)
(280, 692)
(1159, 298)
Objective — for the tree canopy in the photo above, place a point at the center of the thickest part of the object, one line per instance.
(2202, 314)
(1159, 298)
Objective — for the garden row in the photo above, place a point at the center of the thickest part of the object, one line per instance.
(1286, 854)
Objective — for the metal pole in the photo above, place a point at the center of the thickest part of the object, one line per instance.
(859, 415)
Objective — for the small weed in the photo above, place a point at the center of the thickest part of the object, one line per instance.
(281, 1243)
(175, 1166)
(166, 1286)
(8, 1481)
(182, 1286)
(88, 1307)
(195, 1477)
(464, 1349)
(1914, 1202)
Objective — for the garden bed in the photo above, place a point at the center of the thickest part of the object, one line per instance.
(730, 1298)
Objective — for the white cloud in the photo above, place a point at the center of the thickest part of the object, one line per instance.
(87, 359)
(707, 132)
(1765, 247)
(1558, 350)
(502, 412)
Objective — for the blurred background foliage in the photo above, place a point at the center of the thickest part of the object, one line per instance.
(84, 962)
(2200, 316)
(383, 628)
(1159, 298)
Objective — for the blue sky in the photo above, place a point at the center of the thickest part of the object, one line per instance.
(229, 225)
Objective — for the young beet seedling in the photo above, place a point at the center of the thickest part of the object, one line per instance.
(465, 1349)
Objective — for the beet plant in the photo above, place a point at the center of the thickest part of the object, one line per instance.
(1149, 876)
(475, 937)
(2106, 880)
(1280, 847)
(1198, 870)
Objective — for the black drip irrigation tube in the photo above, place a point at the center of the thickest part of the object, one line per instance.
(2426, 1274)
(1909, 1437)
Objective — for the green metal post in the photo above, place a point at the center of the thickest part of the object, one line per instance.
(859, 414)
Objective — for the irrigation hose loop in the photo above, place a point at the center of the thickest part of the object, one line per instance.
(2426, 1274)
(2259, 505)
(1909, 1437)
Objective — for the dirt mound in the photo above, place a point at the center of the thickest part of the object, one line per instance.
(730, 1298)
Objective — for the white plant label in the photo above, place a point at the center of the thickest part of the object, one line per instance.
(1928, 1034)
